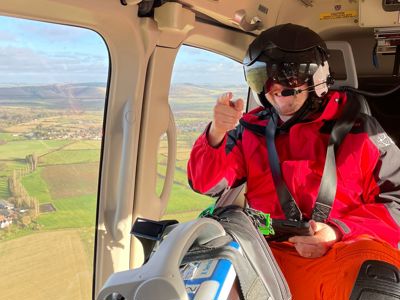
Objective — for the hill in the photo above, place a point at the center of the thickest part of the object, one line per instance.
(54, 91)
(92, 95)
(81, 96)
(203, 93)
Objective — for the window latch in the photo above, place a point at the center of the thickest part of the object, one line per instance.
(241, 20)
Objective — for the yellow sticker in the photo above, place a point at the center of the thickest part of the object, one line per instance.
(338, 15)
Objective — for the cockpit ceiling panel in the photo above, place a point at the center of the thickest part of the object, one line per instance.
(225, 11)
(319, 15)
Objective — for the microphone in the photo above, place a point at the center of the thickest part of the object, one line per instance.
(292, 92)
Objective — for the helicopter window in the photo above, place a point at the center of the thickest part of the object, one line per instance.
(198, 78)
(52, 99)
(336, 59)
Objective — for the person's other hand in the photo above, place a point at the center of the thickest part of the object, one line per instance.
(226, 116)
(318, 244)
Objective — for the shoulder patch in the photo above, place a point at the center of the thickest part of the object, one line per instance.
(376, 133)
(382, 140)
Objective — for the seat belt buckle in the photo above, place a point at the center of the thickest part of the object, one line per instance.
(321, 212)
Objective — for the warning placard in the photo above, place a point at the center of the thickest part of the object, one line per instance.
(338, 15)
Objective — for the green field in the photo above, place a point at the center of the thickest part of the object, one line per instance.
(17, 150)
(78, 212)
(184, 204)
(52, 256)
(4, 192)
(71, 180)
(58, 245)
(7, 137)
(74, 200)
(8, 166)
(84, 145)
(36, 186)
(67, 177)
(75, 156)
(67, 173)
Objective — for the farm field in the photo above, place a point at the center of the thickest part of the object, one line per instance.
(52, 157)
(52, 258)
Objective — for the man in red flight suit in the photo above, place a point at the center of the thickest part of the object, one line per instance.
(287, 67)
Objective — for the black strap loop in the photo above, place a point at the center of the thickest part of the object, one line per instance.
(289, 206)
(327, 189)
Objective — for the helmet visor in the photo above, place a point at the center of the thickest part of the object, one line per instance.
(287, 74)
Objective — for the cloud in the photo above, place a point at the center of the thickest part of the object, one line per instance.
(39, 52)
(213, 74)
(199, 66)
(28, 65)
(32, 51)
(6, 36)
(52, 32)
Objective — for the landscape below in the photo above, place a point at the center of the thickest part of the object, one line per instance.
(50, 145)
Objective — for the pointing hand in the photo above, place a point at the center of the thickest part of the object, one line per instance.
(227, 113)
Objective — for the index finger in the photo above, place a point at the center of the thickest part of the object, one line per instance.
(225, 98)
(239, 104)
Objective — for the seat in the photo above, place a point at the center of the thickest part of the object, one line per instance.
(345, 64)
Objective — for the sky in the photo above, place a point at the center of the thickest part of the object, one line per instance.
(38, 53)
(33, 52)
(206, 68)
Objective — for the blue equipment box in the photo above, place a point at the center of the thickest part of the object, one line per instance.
(210, 279)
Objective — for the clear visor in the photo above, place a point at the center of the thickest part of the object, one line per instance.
(287, 74)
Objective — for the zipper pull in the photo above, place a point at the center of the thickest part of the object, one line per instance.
(208, 212)
(261, 220)
(266, 227)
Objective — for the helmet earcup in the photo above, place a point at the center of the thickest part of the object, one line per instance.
(321, 79)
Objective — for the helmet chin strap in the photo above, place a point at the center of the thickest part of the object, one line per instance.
(262, 100)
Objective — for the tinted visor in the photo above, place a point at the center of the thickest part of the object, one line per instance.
(287, 74)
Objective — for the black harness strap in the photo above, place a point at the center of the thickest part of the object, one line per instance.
(289, 206)
(327, 189)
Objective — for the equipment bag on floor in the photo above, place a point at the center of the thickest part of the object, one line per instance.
(227, 234)
(259, 275)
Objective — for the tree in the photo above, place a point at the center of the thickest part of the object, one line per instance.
(26, 220)
(32, 161)
(35, 160)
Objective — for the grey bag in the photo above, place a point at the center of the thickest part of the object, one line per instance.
(259, 276)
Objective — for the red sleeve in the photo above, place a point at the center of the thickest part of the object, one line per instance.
(212, 169)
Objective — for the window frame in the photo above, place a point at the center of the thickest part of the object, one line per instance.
(127, 45)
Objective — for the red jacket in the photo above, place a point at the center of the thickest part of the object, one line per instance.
(368, 170)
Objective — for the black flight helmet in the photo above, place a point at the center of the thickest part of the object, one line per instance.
(290, 55)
